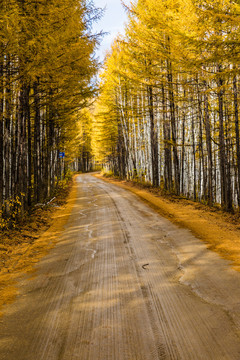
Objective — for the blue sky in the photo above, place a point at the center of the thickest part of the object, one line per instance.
(112, 22)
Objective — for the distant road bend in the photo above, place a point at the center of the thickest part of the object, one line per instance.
(124, 283)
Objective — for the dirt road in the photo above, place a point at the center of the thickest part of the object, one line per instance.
(124, 283)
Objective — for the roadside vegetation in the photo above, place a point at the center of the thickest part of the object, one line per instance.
(22, 246)
(168, 110)
(47, 69)
(28, 228)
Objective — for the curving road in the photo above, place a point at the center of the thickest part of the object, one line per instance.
(124, 283)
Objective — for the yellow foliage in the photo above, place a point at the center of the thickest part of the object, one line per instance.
(11, 212)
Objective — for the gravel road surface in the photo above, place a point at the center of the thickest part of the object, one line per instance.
(123, 283)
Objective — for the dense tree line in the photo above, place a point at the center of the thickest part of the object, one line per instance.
(85, 159)
(168, 112)
(46, 70)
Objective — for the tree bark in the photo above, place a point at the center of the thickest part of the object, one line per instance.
(235, 92)
(222, 144)
(153, 136)
(173, 128)
(37, 144)
(1, 126)
(167, 146)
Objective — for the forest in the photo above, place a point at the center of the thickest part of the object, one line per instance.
(165, 113)
(47, 67)
(168, 109)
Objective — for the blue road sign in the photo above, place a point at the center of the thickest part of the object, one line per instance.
(61, 154)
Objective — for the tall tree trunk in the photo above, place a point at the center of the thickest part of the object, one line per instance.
(22, 180)
(7, 129)
(121, 153)
(194, 159)
(183, 154)
(222, 143)
(37, 144)
(29, 158)
(228, 161)
(167, 146)
(51, 144)
(209, 150)
(1, 126)
(202, 157)
(235, 92)
(153, 136)
(173, 128)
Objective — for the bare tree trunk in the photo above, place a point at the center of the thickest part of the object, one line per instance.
(7, 129)
(121, 153)
(209, 150)
(194, 160)
(22, 145)
(37, 144)
(228, 161)
(202, 157)
(1, 126)
(183, 154)
(222, 144)
(153, 135)
(235, 92)
(167, 147)
(29, 158)
(173, 128)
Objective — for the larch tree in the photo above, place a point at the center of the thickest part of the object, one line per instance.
(174, 98)
(46, 69)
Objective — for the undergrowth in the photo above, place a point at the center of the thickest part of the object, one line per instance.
(12, 215)
(11, 212)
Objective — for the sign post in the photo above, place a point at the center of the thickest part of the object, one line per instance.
(62, 156)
